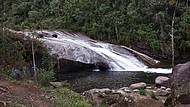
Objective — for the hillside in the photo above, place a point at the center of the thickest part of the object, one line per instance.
(142, 24)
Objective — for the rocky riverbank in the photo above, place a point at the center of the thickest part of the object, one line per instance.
(165, 92)
(137, 95)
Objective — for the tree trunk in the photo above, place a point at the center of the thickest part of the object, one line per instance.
(173, 53)
(187, 3)
(58, 65)
(33, 60)
(116, 32)
(3, 29)
(172, 36)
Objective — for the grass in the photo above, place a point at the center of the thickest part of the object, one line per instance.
(142, 92)
(64, 97)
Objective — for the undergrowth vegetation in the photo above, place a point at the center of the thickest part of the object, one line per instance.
(16, 59)
(66, 98)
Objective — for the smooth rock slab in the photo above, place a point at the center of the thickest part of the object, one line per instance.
(140, 85)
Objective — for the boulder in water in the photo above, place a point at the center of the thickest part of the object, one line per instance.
(140, 85)
(181, 83)
(162, 81)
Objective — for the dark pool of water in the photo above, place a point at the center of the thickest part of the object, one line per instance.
(83, 81)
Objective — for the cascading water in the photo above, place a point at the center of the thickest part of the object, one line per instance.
(76, 47)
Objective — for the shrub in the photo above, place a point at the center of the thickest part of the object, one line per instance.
(5, 72)
(142, 92)
(44, 76)
(152, 95)
(67, 98)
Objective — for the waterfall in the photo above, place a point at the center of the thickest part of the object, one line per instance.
(77, 47)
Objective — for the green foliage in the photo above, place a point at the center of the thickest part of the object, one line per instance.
(16, 53)
(168, 102)
(34, 15)
(11, 51)
(67, 98)
(117, 21)
(5, 72)
(152, 95)
(142, 92)
(44, 77)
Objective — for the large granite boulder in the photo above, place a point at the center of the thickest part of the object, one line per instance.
(162, 81)
(181, 84)
(140, 85)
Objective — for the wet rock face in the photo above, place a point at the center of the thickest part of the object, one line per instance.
(80, 48)
(102, 66)
(181, 83)
(72, 66)
(76, 47)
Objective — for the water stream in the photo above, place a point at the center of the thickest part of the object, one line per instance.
(77, 47)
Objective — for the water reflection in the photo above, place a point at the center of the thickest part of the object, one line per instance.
(82, 81)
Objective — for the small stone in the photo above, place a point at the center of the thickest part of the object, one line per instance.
(136, 90)
(3, 89)
(168, 89)
(163, 88)
(104, 90)
(126, 99)
(129, 101)
(30, 82)
(56, 84)
(3, 104)
(160, 92)
(101, 95)
(149, 87)
(119, 92)
(140, 85)
(126, 89)
(47, 97)
(154, 91)
(60, 84)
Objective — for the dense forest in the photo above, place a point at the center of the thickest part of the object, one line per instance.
(141, 24)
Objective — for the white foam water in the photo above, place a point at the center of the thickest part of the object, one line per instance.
(77, 47)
